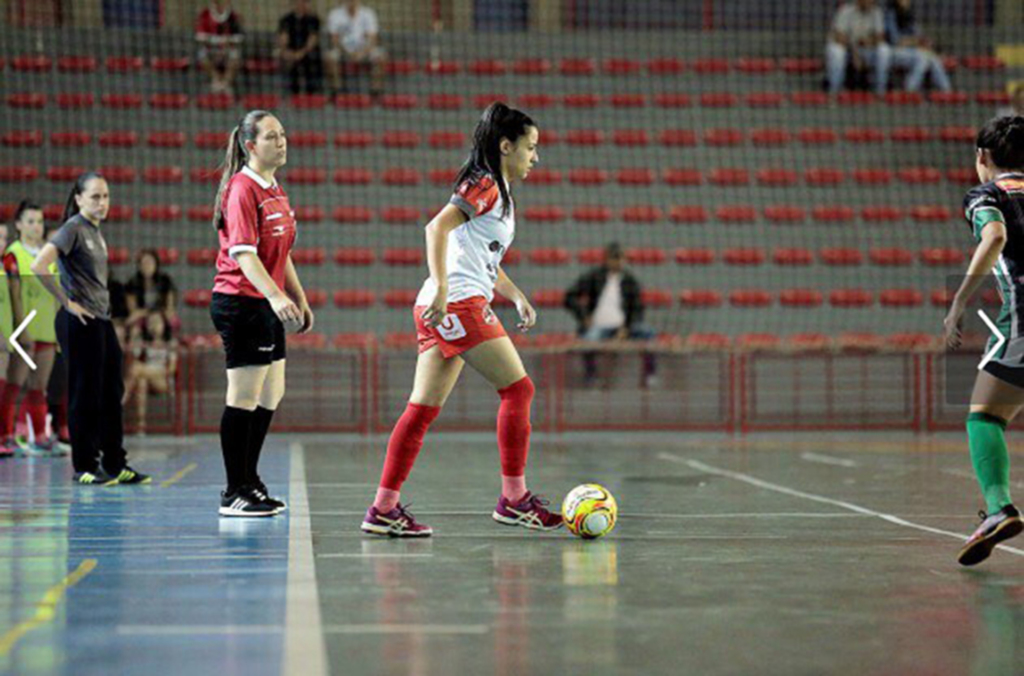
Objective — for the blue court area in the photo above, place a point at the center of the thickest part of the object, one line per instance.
(760, 555)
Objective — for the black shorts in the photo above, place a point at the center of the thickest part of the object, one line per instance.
(251, 332)
(1008, 374)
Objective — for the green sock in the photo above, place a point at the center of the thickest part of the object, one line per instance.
(990, 458)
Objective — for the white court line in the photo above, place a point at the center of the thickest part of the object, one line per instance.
(753, 481)
(222, 557)
(198, 629)
(447, 629)
(396, 555)
(827, 460)
(304, 649)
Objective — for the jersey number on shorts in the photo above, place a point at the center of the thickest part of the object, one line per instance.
(451, 328)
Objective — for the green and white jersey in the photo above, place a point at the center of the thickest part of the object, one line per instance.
(1002, 199)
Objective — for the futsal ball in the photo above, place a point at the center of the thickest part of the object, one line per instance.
(589, 511)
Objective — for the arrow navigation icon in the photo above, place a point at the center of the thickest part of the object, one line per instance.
(995, 348)
(13, 340)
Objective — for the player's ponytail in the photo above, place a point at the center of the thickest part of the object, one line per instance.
(498, 122)
(71, 206)
(235, 158)
(1003, 138)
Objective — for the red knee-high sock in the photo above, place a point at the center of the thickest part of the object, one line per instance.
(7, 401)
(35, 406)
(514, 428)
(405, 444)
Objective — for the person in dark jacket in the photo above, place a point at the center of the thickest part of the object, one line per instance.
(607, 304)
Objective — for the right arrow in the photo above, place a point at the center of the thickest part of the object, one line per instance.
(999, 343)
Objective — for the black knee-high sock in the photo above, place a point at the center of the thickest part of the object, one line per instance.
(235, 427)
(258, 433)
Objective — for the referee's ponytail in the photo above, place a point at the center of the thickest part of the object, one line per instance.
(236, 157)
(498, 122)
(71, 206)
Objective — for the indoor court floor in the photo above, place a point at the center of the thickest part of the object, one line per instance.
(770, 554)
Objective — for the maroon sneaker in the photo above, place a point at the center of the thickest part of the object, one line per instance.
(398, 523)
(1000, 526)
(530, 512)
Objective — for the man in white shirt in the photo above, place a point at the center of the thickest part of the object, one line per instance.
(354, 37)
(607, 304)
(858, 34)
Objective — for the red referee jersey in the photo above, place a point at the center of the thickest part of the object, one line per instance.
(257, 218)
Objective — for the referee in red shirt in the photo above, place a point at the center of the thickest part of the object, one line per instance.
(256, 295)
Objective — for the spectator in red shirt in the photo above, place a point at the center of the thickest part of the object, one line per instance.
(219, 34)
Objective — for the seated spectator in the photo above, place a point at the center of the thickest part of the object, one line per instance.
(607, 305)
(857, 39)
(354, 32)
(149, 290)
(911, 49)
(154, 355)
(1016, 91)
(219, 34)
(298, 41)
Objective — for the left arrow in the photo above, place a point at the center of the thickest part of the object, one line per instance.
(13, 340)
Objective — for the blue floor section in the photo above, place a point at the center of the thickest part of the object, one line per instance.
(175, 588)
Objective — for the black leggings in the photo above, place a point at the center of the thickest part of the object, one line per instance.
(95, 388)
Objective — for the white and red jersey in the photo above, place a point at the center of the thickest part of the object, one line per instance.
(476, 247)
(219, 28)
(258, 219)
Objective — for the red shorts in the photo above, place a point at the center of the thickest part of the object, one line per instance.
(468, 323)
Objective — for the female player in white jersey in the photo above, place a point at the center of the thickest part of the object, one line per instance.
(455, 325)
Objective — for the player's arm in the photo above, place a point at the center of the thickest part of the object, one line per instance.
(14, 289)
(253, 269)
(509, 290)
(437, 232)
(293, 287)
(993, 239)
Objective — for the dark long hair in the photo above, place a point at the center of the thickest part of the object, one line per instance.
(236, 157)
(1003, 138)
(23, 206)
(498, 122)
(71, 206)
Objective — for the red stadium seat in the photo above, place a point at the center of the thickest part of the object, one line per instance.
(802, 298)
(729, 176)
(646, 256)
(215, 102)
(350, 214)
(353, 139)
(32, 100)
(872, 176)
(584, 137)
(687, 256)
(169, 101)
(750, 298)
(121, 101)
(401, 67)
(983, 62)
(792, 256)
(588, 176)
(673, 100)
(881, 214)
(963, 176)
(673, 138)
(639, 176)
(121, 213)
(939, 256)
(591, 256)
(163, 175)
(307, 139)
(942, 297)
(170, 64)
(621, 67)
(641, 213)
(864, 135)
(769, 137)
(688, 214)
(710, 66)
(549, 298)
(309, 101)
(824, 176)
(549, 256)
(124, 64)
(261, 101)
(440, 67)
(777, 177)
(444, 102)
(353, 176)
(859, 342)
(64, 174)
(199, 298)
(724, 137)
(784, 213)
(482, 101)
(628, 100)
(949, 98)
(53, 212)
(592, 214)
(930, 213)
(801, 66)
(758, 66)
(317, 298)
(718, 100)
(309, 256)
(512, 257)
(23, 138)
(911, 135)
(354, 256)
(666, 66)
(260, 67)
(18, 174)
(630, 137)
(118, 139)
(900, 298)
(856, 98)
(958, 134)
(400, 340)
(168, 255)
(542, 176)
(736, 214)
(577, 67)
(75, 100)
(817, 136)
(696, 298)
(400, 176)
(902, 98)
(920, 175)
(403, 256)
(166, 139)
(809, 99)
(890, 256)
(534, 101)
(808, 342)
(401, 215)
(447, 140)
(743, 256)
(911, 341)
(680, 176)
(581, 100)
(201, 257)
(160, 213)
(202, 213)
(993, 98)
(765, 99)
(832, 214)
(353, 101)
(850, 298)
(32, 63)
(356, 340)
(209, 140)
(350, 298)
(487, 67)
(207, 175)
(447, 176)
(842, 256)
(656, 298)
(305, 175)
(707, 341)
(309, 213)
(399, 101)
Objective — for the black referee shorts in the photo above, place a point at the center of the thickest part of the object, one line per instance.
(251, 332)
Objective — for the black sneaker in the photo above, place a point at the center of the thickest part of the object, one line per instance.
(994, 529)
(245, 502)
(97, 478)
(129, 476)
(261, 487)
